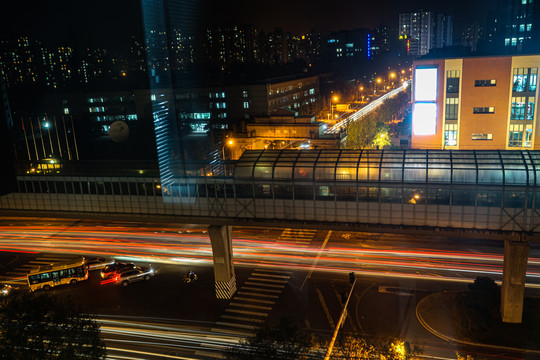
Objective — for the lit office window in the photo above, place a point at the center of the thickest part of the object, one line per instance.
(517, 111)
(450, 134)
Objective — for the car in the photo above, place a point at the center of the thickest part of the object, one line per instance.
(5, 289)
(127, 277)
(97, 263)
(116, 267)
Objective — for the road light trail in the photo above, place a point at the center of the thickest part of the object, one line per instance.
(366, 109)
(137, 337)
(171, 246)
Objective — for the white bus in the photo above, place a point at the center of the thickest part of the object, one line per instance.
(50, 276)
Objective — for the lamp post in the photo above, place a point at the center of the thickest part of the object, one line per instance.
(335, 98)
(392, 77)
(230, 142)
(378, 82)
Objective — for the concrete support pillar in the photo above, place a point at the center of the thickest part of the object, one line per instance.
(516, 254)
(221, 239)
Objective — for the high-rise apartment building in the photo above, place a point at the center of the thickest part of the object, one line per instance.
(476, 103)
(425, 30)
(519, 25)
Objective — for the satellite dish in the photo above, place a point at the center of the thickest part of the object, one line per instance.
(119, 131)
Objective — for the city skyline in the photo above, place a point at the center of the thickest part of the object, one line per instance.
(64, 21)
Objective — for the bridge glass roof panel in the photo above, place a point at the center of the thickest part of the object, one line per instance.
(407, 166)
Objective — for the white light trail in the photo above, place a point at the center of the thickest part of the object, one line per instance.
(366, 109)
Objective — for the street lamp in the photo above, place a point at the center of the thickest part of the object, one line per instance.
(230, 143)
(378, 82)
(392, 77)
(335, 98)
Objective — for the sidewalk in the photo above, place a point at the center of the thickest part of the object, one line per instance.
(439, 314)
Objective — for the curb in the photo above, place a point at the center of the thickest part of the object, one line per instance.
(452, 339)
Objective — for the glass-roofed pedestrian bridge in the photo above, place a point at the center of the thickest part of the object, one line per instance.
(492, 194)
(494, 191)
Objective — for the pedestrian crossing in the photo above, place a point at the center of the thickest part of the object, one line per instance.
(299, 236)
(17, 275)
(250, 306)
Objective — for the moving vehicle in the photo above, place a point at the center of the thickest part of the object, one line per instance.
(5, 289)
(46, 277)
(129, 276)
(116, 267)
(97, 263)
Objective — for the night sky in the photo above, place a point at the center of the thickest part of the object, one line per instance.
(110, 22)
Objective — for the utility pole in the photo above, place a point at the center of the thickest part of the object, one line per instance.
(352, 279)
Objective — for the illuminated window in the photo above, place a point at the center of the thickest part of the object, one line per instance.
(524, 79)
(450, 134)
(517, 111)
(528, 136)
(66, 111)
(532, 79)
(515, 136)
(530, 109)
(246, 104)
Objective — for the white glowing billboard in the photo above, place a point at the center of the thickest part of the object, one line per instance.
(425, 84)
(424, 118)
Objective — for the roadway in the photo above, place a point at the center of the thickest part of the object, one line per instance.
(311, 266)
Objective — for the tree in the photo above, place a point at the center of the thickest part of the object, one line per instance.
(382, 138)
(353, 348)
(367, 133)
(287, 343)
(41, 327)
(360, 133)
(480, 306)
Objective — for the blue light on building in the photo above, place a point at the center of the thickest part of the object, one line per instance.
(369, 46)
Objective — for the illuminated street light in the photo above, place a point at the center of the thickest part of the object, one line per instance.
(230, 143)
(335, 98)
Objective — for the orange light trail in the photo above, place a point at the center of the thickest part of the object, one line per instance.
(174, 246)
